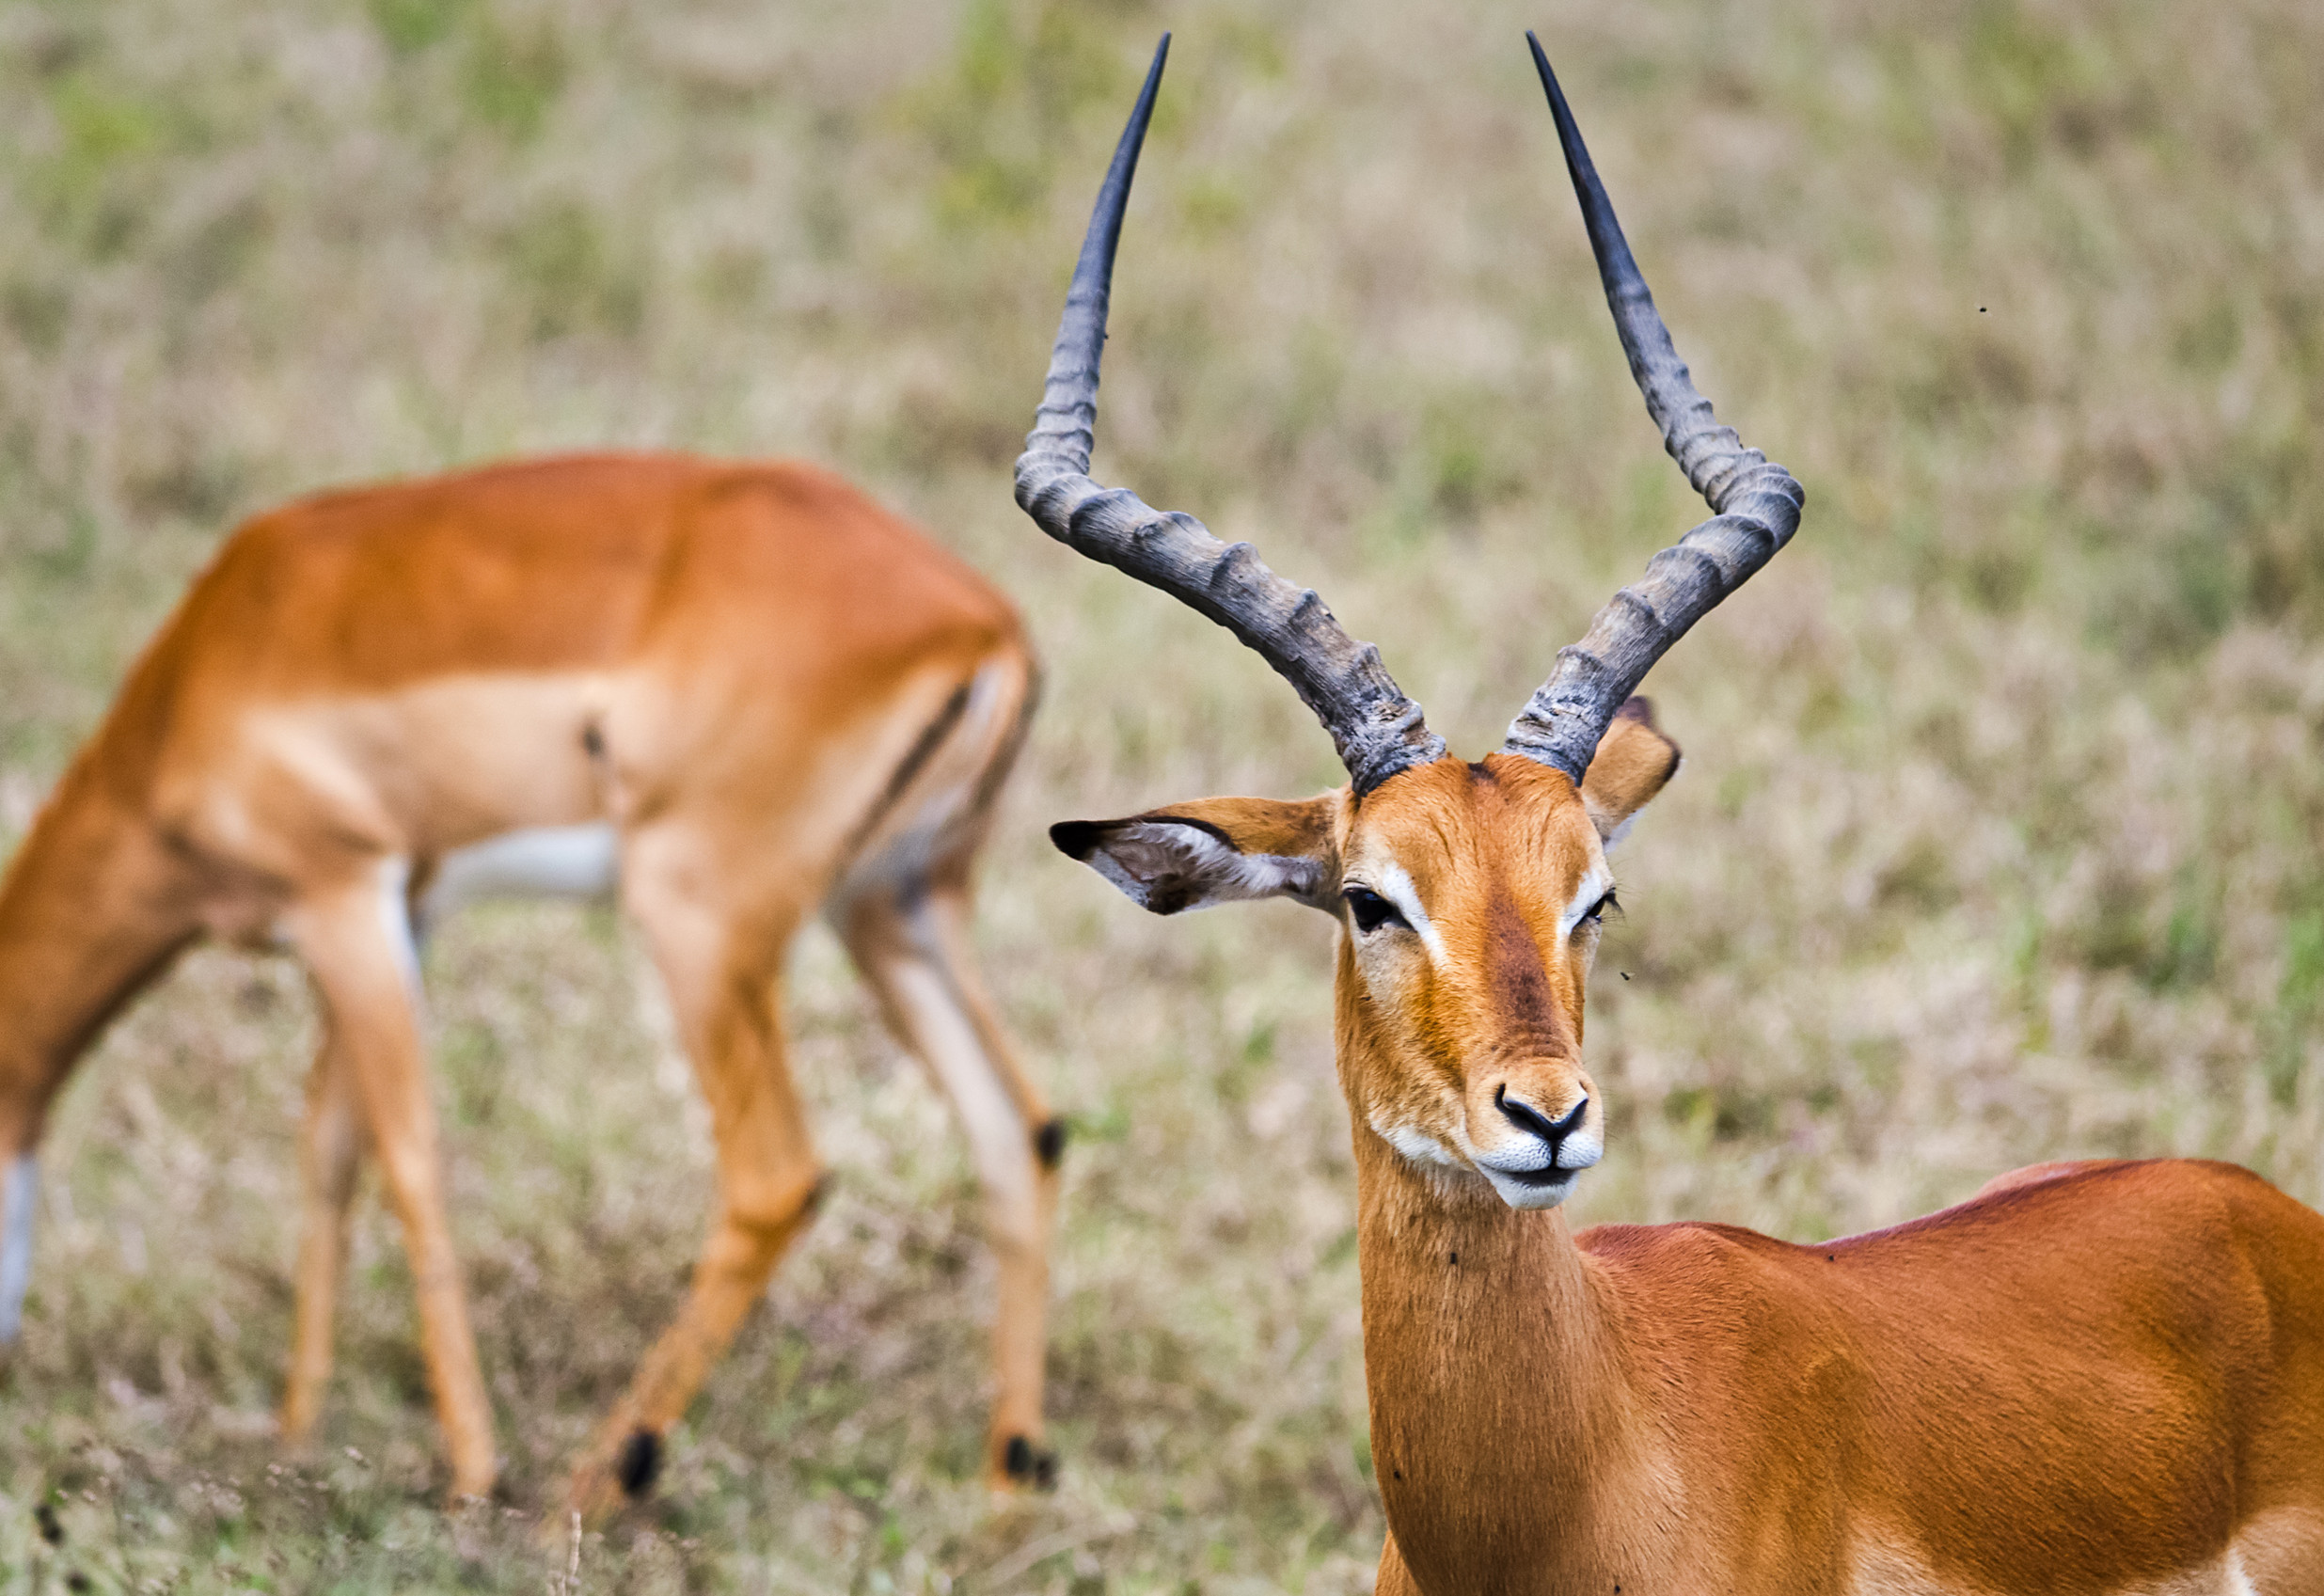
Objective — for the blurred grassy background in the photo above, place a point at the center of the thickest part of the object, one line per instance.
(1998, 840)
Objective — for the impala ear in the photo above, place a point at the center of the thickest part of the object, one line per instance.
(1633, 761)
(1213, 851)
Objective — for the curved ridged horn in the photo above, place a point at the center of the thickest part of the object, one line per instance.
(1755, 505)
(1378, 731)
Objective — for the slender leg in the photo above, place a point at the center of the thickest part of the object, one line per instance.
(330, 1156)
(913, 949)
(721, 978)
(360, 967)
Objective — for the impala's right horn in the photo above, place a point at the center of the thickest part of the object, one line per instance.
(1378, 731)
(1755, 505)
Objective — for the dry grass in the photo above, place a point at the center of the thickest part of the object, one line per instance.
(1998, 841)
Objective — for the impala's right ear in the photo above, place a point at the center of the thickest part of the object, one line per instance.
(1634, 762)
(1213, 851)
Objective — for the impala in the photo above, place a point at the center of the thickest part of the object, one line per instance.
(2089, 1378)
(749, 686)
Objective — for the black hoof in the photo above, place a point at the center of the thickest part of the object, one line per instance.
(1048, 1143)
(1029, 1464)
(641, 1460)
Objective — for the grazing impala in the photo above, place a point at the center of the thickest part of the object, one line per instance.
(2089, 1378)
(751, 685)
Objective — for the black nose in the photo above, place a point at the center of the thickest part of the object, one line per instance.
(1526, 1117)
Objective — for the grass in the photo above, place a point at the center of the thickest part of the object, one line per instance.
(1996, 841)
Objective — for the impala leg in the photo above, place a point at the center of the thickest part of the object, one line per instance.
(722, 987)
(913, 947)
(330, 1156)
(362, 970)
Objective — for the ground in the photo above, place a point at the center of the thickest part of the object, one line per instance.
(1996, 839)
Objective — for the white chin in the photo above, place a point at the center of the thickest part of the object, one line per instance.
(1519, 1195)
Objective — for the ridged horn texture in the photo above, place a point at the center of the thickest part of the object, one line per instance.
(1378, 731)
(1755, 505)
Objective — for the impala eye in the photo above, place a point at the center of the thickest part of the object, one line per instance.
(1372, 911)
(1596, 914)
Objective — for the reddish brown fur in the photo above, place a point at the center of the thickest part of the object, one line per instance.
(2088, 1379)
(2091, 1386)
(739, 665)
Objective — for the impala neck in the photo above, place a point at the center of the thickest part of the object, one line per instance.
(1505, 1436)
(92, 908)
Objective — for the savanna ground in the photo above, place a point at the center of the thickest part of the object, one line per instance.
(1998, 839)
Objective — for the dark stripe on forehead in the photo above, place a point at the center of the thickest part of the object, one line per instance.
(1517, 981)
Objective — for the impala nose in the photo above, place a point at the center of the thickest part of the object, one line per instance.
(1531, 1120)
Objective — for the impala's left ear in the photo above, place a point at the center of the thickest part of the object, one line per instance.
(1633, 762)
(1213, 851)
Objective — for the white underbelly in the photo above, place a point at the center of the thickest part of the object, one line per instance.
(559, 862)
(1885, 1569)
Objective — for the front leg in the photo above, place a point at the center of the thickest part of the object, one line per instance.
(363, 971)
(330, 1156)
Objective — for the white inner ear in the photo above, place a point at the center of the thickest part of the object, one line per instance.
(1156, 862)
(1596, 882)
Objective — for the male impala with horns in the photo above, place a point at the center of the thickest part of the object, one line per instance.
(2098, 1378)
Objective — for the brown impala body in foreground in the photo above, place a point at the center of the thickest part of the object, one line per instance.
(2092, 1379)
(747, 685)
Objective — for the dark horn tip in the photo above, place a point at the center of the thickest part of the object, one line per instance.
(1541, 63)
(1568, 135)
(1153, 74)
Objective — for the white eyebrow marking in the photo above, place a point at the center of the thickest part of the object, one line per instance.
(1596, 883)
(1389, 880)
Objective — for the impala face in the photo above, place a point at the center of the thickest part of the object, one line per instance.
(1471, 898)
(1474, 899)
